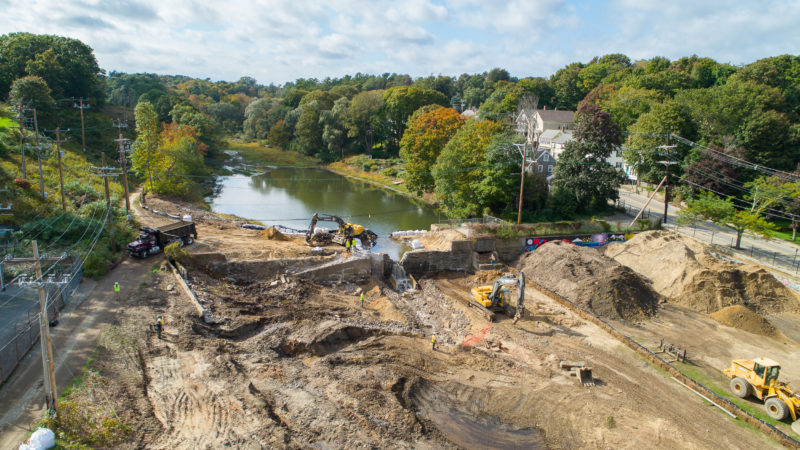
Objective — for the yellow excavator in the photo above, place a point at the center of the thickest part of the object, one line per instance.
(495, 298)
(759, 378)
(345, 230)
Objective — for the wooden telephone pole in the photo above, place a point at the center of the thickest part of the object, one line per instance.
(81, 107)
(122, 145)
(666, 164)
(106, 172)
(48, 359)
(60, 170)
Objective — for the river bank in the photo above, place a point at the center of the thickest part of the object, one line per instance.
(377, 179)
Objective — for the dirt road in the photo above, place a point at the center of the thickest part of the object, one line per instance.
(73, 340)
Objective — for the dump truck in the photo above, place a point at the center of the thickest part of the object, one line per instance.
(759, 377)
(345, 230)
(153, 240)
(494, 298)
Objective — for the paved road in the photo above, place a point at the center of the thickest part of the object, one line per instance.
(17, 305)
(773, 252)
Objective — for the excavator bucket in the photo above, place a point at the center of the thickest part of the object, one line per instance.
(584, 375)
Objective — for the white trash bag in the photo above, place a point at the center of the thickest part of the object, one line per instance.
(40, 439)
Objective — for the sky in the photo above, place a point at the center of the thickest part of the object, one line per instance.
(275, 41)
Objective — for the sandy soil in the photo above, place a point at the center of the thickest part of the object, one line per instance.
(287, 363)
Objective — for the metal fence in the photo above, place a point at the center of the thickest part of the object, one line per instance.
(23, 334)
(634, 210)
(486, 219)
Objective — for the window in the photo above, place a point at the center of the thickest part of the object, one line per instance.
(549, 169)
(541, 168)
(772, 374)
(545, 156)
(618, 165)
(758, 369)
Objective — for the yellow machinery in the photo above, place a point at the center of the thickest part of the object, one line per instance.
(495, 298)
(346, 230)
(759, 377)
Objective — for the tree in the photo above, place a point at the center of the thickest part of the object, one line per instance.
(713, 175)
(723, 212)
(568, 87)
(67, 65)
(399, 103)
(309, 129)
(650, 131)
(279, 136)
(460, 168)
(147, 141)
(582, 169)
(334, 131)
(361, 117)
(429, 129)
(32, 91)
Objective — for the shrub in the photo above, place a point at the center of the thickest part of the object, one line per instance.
(174, 252)
(23, 183)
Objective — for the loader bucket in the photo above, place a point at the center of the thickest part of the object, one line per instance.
(584, 375)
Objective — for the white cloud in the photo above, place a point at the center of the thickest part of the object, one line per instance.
(280, 40)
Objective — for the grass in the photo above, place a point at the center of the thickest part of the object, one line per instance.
(751, 405)
(254, 152)
(379, 172)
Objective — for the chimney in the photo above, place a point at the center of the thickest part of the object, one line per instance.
(555, 109)
(544, 108)
(563, 128)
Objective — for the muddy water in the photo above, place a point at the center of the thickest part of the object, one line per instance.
(290, 196)
(465, 425)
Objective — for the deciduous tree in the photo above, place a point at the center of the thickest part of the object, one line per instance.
(429, 129)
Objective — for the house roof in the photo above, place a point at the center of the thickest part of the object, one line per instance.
(549, 134)
(562, 138)
(555, 115)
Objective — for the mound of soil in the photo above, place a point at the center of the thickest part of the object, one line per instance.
(591, 280)
(273, 234)
(685, 272)
(738, 316)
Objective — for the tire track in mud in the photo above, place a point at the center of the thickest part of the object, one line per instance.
(196, 412)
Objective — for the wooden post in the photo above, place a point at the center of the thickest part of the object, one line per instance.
(60, 171)
(48, 362)
(108, 205)
(83, 133)
(38, 151)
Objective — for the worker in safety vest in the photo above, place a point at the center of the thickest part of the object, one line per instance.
(159, 326)
(116, 289)
(362, 299)
(433, 342)
(347, 245)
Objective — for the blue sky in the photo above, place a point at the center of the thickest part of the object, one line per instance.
(276, 41)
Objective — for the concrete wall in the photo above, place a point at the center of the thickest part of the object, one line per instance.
(351, 269)
(419, 262)
(218, 266)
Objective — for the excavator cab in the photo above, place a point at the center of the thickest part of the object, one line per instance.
(344, 231)
(495, 298)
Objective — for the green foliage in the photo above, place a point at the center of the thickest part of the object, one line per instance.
(582, 169)
(461, 167)
(429, 129)
(399, 103)
(68, 66)
(32, 91)
(174, 252)
(723, 212)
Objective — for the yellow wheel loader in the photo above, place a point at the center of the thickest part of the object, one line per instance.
(759, 378)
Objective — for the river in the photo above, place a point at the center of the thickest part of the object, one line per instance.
(290, 196)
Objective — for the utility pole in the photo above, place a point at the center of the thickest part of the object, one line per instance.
(48, 361)
(122, 145)
(81, 107)
(21, 120)
(524, 154)
(38, 151)
(106, 172)
(60, 171)
(666, 164)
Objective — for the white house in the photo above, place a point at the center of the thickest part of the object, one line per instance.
(554, 141)
(532, 123)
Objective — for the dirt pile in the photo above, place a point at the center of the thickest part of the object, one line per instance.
(683, 270)
(273, 234)
(435, 240)
(591, 280)
(740, 317)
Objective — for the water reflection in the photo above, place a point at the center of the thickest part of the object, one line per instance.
(290, 196)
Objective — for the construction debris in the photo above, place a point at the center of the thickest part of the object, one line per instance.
(677, 354)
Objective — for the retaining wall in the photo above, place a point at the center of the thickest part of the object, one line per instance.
(356, 268)
(458, 258)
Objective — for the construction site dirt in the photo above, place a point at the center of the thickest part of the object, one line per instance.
(287, 362)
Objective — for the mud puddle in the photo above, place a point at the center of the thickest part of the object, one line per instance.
(466, 426)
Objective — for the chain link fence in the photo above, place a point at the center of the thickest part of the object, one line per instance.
(19, 338)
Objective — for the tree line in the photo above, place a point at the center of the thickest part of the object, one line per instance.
(748, 112)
